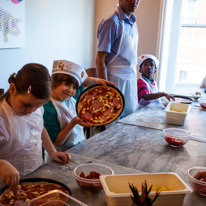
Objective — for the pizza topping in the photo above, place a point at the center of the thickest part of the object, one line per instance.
(116, 102)
(87, 115)
(15, 197)
(97, 104)
(100, 105)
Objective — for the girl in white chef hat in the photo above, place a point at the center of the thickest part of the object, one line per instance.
(65, 128)
(22, 133)
(146, 85)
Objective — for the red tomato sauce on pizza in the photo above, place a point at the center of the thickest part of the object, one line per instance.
(100, 105)
(28, 191)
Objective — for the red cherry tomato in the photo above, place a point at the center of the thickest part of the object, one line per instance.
(174, 142)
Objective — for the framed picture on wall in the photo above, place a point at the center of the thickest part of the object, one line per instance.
(12, 23)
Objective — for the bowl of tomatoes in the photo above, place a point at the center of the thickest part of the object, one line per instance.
(196, 180)
(176, 137)
(87, 176)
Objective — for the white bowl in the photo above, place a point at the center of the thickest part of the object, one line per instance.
(197, 185)
(92, 185)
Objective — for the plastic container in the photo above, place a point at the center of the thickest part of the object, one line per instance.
(176, 113)
(165, 101)
(202, 102)
(92, 185)
(54, 197)
(197, 185)
(117, 191)
(176, 137)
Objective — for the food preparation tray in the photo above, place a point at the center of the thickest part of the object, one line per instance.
(117, 191)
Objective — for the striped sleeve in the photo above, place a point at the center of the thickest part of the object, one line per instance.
(142, 89)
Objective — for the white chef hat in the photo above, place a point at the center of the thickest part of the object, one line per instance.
(69, 68)
(143, 57)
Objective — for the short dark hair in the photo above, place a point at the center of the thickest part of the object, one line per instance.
(34, 75)
(57, 80)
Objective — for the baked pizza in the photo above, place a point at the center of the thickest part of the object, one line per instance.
(100, 105)
(27, 191)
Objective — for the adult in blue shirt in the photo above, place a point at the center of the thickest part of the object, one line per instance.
(116, 59)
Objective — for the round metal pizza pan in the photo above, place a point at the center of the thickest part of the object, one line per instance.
(97, 85)
(39, 180)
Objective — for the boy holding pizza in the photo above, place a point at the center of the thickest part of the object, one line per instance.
(65, 128)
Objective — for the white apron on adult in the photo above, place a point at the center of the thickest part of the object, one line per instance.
(65, 113)
(122, 70)
(152, 89)
(20, 138)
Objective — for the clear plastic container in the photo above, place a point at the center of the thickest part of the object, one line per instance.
(176, 137)
(54, 198)
(117, 191)
(176, 113)
(202, 102)
(197, 185)
(92, 185)
(164, 101)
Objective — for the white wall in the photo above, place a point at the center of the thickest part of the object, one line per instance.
(66, 29)
(60, 29)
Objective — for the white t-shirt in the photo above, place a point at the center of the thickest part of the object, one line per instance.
(20, 138)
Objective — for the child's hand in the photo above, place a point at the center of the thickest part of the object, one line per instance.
(104, 82)
(61, 157)
(79, 121)
(169, 97)
(201, 175)
(9, 174)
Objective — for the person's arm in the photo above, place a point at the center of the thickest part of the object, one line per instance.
(9, 173)
(153, 96)
(64, 133)
(52, 126)
(100, 65)
(60, 157)
(89, 81)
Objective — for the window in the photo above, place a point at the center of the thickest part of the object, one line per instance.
(191, 54)
(182, 49)
(183, 76)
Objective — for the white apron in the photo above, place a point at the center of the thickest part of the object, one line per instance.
(152, 89)
(122, 70)
(66, 111)
(20, 138)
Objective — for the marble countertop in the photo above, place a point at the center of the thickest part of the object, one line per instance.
(63, 173)
(153, 116)
(142, 149)
(145, 149)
